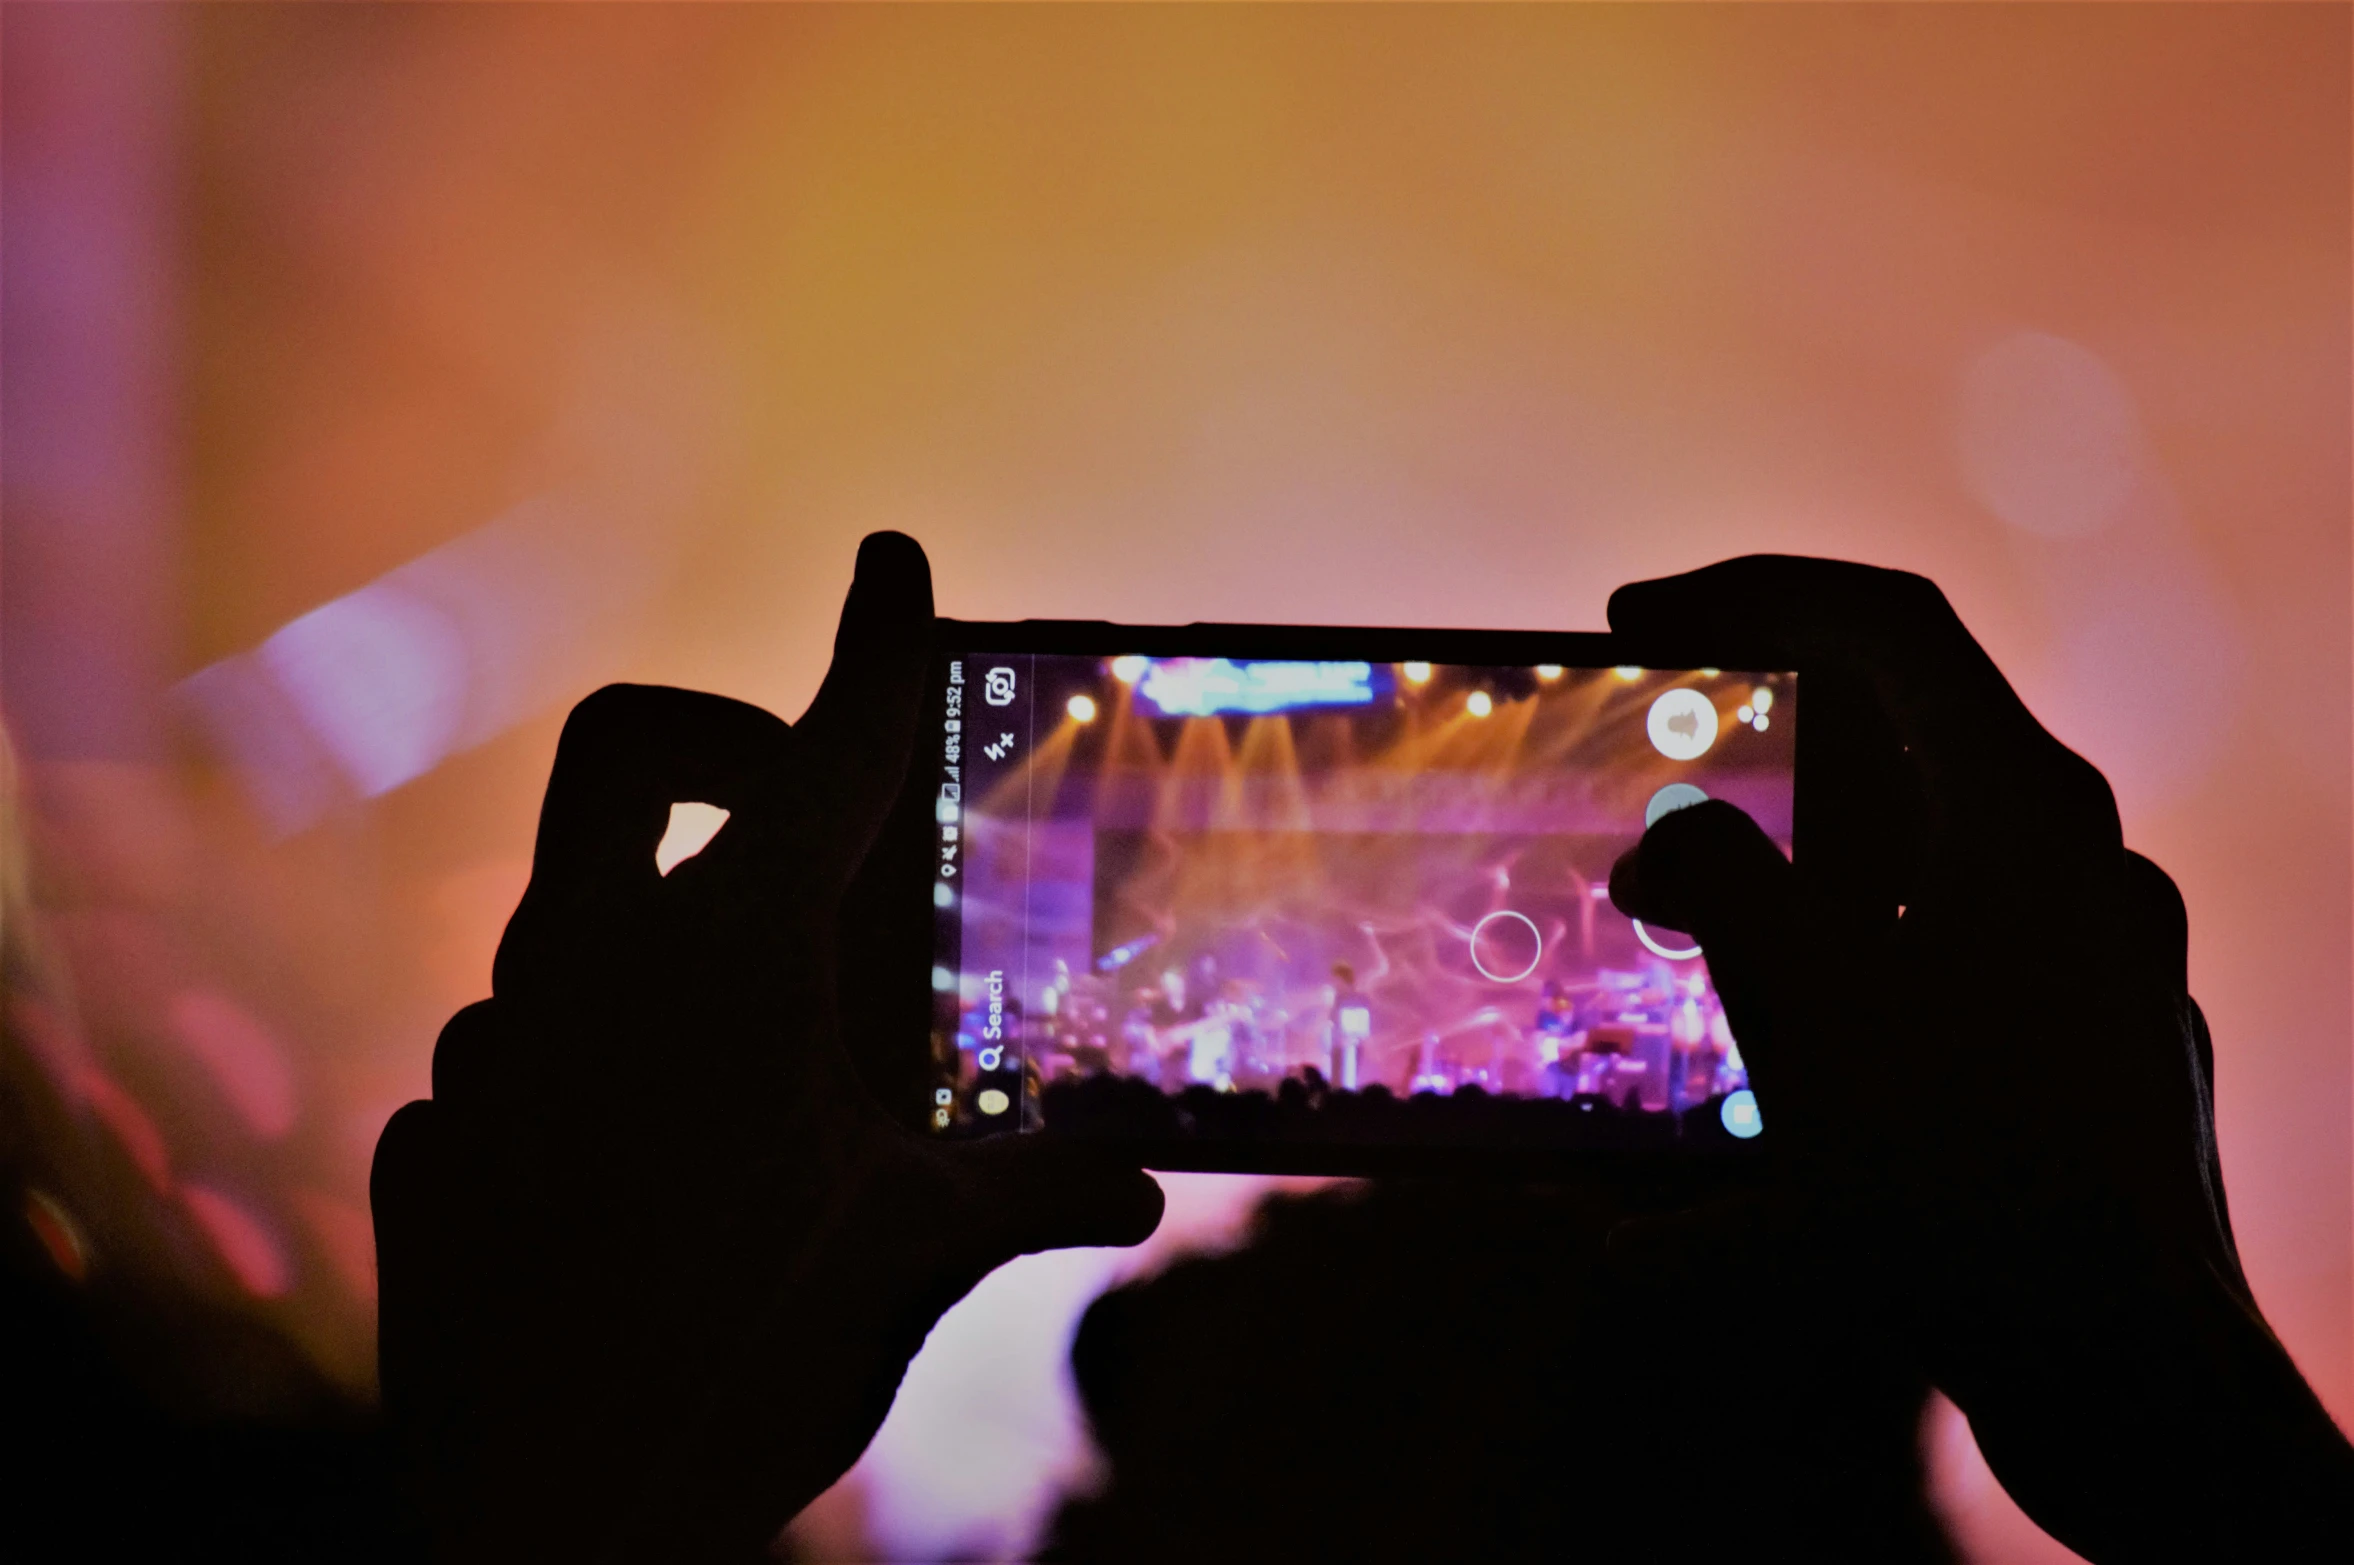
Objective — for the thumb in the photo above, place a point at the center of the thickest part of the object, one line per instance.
(1710, 871)
(1047, 1193)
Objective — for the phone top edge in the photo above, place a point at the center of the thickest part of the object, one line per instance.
(1377, 643)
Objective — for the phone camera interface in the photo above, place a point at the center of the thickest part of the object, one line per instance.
(1332, 902)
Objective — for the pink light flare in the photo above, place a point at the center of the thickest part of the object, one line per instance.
(247, 1062)
(253, 1254)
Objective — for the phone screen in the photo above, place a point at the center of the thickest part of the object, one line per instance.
(1332, 902)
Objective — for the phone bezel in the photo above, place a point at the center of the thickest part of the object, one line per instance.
(1383, 644)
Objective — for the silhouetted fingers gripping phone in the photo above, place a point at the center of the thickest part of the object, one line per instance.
(1966, 1008)
(653, 1257)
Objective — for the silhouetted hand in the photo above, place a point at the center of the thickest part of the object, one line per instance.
(653, 1262)
(1992, 1114)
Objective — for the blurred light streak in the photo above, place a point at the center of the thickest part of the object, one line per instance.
(255, 1255)
(131, 1124)
(251, 1067)
(60, 1235)
(88, 433)
(375, 688)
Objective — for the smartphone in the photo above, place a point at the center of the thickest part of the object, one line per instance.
(1330, 900)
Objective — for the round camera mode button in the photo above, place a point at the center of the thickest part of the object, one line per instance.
(1682, 724)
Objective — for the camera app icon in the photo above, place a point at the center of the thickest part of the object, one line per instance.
(997, 687)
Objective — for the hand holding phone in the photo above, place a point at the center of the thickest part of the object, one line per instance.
(1967, 1009)
(653, 1260)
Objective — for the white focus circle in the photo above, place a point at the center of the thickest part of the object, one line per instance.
(1682, 724)
(1656, 949)
(1536, 953)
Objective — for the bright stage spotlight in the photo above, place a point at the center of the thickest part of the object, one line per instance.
(1628, 672)
(1128, 670)
(1548, 672)
(1415, 673)
(1479, 703)
(1082, 709)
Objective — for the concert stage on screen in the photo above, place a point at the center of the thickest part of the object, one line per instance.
(1332, 902)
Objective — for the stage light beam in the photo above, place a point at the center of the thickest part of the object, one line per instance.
(1479, 703)
(1081, 708)
(1415, 673)
(1549, 672)
(1128, 670)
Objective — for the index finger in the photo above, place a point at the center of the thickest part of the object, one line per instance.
(854, 742)
(1973, 741)
(627, 754)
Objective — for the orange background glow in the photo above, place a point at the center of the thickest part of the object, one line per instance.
(628, 322)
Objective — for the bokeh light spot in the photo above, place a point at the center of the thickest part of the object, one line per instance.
(2048, 437)
(59, 1234)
